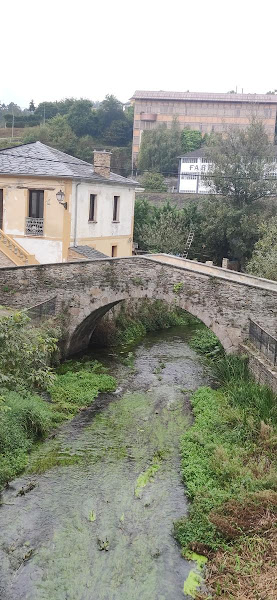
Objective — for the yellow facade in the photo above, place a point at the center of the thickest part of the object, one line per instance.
(53, 245)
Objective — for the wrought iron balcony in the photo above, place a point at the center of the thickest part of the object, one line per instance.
(34, 226)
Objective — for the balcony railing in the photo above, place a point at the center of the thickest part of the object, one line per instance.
(34, 226)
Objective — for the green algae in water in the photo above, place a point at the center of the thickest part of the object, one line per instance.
(144, 478)
(195, 578)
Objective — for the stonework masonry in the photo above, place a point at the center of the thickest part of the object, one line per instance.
(86, 291)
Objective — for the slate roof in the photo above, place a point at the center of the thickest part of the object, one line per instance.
(204, 97)
(38, 159)
(88, 252)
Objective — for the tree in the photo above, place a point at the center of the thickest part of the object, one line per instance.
(119, 133)
(153, 182)
(57, 133)
(159, 149)
(83, 119)
(109, 110)
(191, 139)
(263, 262)
(243, 166)
(46, 110)
(165, 232)
(32, 107)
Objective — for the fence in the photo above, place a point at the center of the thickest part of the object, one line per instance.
(44, 309)
(266, 343)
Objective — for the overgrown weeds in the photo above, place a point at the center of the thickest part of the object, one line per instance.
(230, 472)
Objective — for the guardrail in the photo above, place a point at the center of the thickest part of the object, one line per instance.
(266, 343)
(43, 309)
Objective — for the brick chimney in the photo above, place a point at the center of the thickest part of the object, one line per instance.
(102, 163)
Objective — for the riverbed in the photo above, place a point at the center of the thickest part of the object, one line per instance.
(98, 524)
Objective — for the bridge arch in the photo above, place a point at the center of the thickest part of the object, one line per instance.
(89, 316)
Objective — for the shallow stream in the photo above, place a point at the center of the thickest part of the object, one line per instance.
(98, 525)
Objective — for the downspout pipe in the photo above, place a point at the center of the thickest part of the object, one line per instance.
(75, 215)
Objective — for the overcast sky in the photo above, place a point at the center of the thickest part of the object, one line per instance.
(56, 49)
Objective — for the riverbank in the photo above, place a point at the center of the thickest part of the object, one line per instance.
(230, 474)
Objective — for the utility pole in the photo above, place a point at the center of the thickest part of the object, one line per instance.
(13, 124)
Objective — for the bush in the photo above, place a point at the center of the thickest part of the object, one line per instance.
(23, 421)
(205, 342)
(153, 182)
(25, 353)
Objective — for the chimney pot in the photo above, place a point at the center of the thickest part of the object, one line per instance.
(102, 163)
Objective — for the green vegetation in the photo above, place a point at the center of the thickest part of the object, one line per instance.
(148, 475)
(243, 168)
(204, 341)
(76, 127)
(153, 182)
(160, 147)
(149, 316)
(26, 418)
(228, 224)
(74, 390)
(264, 258)
(230, 471)
(25, 353)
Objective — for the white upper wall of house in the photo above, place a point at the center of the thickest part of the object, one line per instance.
(103, 225)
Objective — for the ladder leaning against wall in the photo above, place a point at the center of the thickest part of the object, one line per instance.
(188, 243)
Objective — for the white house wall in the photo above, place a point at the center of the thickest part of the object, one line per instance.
(103, 227)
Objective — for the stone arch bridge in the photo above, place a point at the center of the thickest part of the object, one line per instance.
(224, 300)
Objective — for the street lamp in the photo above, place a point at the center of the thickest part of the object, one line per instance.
(60, 197)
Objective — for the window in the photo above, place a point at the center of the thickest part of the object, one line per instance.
(116, 208)
(36, 204)
(114, 251)
(92, 207)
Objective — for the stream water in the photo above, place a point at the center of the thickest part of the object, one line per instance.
(99, 525)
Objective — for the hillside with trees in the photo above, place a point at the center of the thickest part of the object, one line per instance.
(75, 126)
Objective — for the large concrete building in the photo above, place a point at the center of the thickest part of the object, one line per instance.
(205, 112)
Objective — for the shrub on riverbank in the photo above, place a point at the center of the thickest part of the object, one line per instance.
(23, 421)
(26, 352)
(230, 473)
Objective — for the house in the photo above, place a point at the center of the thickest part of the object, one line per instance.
(55, 207)
(205, 112)
(194, 170)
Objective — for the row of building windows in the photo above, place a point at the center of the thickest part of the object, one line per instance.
(36, 206)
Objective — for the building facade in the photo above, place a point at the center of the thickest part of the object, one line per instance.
(55, 207)
(204, 112)
(194, 170)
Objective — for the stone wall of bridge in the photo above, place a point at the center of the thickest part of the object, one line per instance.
(86, 290)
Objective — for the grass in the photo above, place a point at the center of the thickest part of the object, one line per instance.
(26, 419)
(229, 469)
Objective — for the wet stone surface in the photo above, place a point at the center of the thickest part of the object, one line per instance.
(98, 525)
